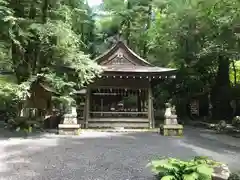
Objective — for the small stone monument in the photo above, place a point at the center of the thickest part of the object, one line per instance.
(70, 124)
(171, 126)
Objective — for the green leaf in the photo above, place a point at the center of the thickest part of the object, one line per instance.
(192, 176)
(168, 178)
(163, 166)
(205, 171)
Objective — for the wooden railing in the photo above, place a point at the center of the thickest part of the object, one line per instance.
(110, 114)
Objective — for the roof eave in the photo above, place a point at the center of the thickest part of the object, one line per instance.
(145, 72)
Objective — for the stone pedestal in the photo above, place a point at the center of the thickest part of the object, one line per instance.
(69, 129)
(171, 130)
(69, 126)
(171, 126)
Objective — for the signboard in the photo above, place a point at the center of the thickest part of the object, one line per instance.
(194, 107)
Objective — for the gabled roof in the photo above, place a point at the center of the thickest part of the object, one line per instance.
(120, 45)
(120, 58)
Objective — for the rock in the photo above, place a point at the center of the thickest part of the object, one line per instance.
(221, 172)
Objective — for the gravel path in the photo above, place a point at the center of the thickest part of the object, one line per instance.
(106, 156)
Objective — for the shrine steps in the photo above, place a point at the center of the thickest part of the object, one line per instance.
(118, 122)
(110, 130)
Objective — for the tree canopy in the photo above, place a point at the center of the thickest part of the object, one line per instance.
(200, 38)
(40, 38)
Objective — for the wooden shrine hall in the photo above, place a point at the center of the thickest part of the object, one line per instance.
(122, 95)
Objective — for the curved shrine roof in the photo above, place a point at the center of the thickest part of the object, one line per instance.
(121, 58)
(137, 69)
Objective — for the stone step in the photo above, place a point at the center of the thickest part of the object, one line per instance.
(118, 120)
(118, 124)
(120, 130)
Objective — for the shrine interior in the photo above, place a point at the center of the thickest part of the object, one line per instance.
(118, 103)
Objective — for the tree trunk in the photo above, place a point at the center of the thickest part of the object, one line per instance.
(221, 93)
(128, 31)
(145, 48)
(45, 11)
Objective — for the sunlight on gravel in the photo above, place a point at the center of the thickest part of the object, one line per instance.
(105, 155)
(93, 135)
(30, 145)
(223, 157)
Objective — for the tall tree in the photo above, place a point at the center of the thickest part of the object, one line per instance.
(46, 35)
(202, 40)
(130, 18)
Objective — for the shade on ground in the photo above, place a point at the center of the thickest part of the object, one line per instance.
(107, 156)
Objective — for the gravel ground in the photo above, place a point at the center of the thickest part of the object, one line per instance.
(106, 156)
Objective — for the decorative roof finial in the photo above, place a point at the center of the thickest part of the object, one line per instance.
(119, 38)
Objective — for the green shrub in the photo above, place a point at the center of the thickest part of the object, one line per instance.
(221, 126)
(236, 121)
(200, 168)
(20, 123)
(234, 176)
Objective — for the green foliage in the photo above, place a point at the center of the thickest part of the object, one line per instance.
(130, 18)
(236, 121)
(20, 123)
(201, 43)
(235, 72)
(58, 39)
(200, 168)
(10, 94)
(25, 124)
(8, 89)
(221, 126)
(234, 176)
(51, 40)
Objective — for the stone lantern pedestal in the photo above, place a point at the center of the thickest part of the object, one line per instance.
(70, 125)
(171, 126)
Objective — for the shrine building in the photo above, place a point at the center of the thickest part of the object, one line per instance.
(122, 96)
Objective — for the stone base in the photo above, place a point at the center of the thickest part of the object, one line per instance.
(171, 130)
(69, 129)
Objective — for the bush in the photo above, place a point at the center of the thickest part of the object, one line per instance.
(23, 123)
(174, 169)
(236, 121)
(221, 126)
(234, 176)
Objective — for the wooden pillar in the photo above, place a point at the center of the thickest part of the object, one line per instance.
(152, 109)
(150, 106)
(139, 101)
(87, 110)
